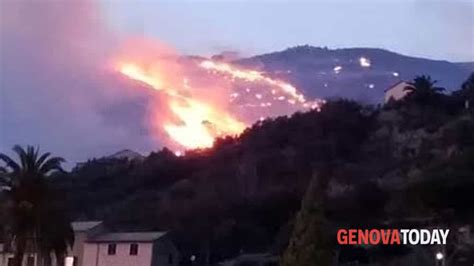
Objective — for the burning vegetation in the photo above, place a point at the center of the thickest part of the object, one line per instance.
(205, 99)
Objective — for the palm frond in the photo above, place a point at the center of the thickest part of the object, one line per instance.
(52, 164)
(42, 159)
(5, 180)
(32, 155)
(5, 183)
(10, 163)
(22, 155)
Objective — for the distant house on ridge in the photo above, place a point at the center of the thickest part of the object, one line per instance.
(397, 91)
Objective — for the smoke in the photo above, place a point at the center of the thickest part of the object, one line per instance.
(227, 56)
(71, 86)
(190, 105)
(56, 88)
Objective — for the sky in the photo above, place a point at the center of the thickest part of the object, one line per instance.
(57, 93)
(437, 29)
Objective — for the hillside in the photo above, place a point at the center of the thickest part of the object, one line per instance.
(312, 69)
(408, 160)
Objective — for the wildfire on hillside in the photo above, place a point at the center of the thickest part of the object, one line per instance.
(205, 99)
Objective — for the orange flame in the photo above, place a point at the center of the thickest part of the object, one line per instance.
(198, 110)
(252, 76)
(199, 123)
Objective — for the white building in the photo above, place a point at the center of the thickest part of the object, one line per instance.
(126, 154)
(397, 91)
(130, 249)
(93, 246)
(82, 232)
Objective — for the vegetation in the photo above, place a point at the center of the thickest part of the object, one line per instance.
(311, 242)
(33, 221)
(287, 184)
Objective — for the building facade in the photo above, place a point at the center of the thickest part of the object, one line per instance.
(94, 246)
(82, 232)
(131, 249)
(397, 91)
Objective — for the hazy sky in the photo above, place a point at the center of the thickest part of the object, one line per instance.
(442, 29)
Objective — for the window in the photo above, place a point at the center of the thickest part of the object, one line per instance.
(133, 249)
(170, 258)
(112, 249)
(30, 261)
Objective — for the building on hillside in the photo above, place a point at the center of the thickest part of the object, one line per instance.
(131, 249)
(94, 246)
(397, 91)
(128, 155)
(125, 155)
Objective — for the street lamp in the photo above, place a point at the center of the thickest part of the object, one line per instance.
(439, 258)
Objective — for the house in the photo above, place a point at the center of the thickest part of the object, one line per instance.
(397, 91)
(130, 249)
(128, 155)
(82, 232)
(94, 246)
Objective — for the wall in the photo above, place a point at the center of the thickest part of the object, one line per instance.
(397, 92)
(79, 241)
(95, 254)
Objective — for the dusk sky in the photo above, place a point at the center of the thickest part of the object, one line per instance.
(438, 29)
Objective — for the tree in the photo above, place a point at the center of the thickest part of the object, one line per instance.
(33, 221)
(468, 85)
(310, 243)
(423, 89)
(467, 90)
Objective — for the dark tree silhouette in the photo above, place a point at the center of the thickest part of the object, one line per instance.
(423, 89)
(32, 219)
(310, 243)
(468, 85)
(467, 90)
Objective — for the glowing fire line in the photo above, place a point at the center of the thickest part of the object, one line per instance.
(252, 76)
(199, 123)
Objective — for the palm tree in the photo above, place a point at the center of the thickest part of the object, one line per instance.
(33, 220)
(423, 89)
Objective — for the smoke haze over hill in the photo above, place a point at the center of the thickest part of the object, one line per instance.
(58, 90)
(54, 80)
